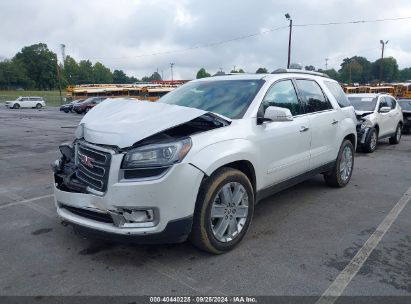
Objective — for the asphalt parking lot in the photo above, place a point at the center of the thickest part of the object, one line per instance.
(299, 242)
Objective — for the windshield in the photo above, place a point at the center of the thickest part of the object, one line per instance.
(405, 104)
(363, 103)
(229, 98)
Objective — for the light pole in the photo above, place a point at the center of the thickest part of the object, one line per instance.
(171, 66)
(326, 63)
(383, 44)
(289, 39)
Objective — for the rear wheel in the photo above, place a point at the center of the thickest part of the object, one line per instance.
(371, 144)
(395, 140)
(16, 106)
(38, 106)
(224, 209)
(86, 110)
(340, 175)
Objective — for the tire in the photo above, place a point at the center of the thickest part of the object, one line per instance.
(208, 232)
(66, 111)
(86, 110)
(38, 106)
(16, 106)
(395, 140)
(336, 177)
(371, 144)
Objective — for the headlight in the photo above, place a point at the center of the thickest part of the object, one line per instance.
(366, 124)
(157, 155)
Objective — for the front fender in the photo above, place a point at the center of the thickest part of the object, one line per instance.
(216, 155)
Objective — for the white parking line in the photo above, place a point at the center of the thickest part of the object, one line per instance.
(344, 278)
(26, 201)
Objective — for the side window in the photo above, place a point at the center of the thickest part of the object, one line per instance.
(338, 93)
(282, 94)
(314, 98)
(385, 102)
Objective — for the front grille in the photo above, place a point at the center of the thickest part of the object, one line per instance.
(92, 215)
(93, 167)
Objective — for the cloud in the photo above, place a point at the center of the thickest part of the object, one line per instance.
(117, 32)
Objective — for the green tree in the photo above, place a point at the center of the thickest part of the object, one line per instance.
(351, 71)
(202, 73)
(261, 71)
(119, 77)
(390, 69)
(14, 75)
(85, 72)
(309, 68)
(40, 65)
(405, 74)
(102, 74)
(70, 72)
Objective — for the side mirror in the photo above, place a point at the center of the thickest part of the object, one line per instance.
(277, 114)
(384, 109)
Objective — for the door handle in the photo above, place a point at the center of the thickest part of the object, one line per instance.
(334, 122)
(303, 129)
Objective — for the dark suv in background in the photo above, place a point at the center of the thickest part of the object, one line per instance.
(86, 105)
(405, 105)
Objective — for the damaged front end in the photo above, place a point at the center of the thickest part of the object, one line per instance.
(65, 169)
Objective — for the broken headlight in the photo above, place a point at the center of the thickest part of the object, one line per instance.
(157, 155)
(366, 124)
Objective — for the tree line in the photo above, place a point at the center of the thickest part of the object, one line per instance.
(356, 69)
(36, 67)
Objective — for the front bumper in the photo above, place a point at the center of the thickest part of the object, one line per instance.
(171, 197)
(362, 134)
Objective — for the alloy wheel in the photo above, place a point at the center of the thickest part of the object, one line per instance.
(346, 163)
(229, 212)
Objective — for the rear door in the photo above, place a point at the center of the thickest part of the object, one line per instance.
(324, 121)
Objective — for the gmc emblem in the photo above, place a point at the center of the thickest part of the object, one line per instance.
(86, 160)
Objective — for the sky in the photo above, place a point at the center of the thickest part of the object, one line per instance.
(140, 36)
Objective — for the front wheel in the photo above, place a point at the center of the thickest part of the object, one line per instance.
(395, 140)
(223, 213)
(38, 106)
(16, 106)
(371, 143)
(341, 173)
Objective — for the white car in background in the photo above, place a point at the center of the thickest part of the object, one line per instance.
(194, 163)
(26, 102)
(379, 116)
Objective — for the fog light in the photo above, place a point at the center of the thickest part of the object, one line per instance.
(139, 216)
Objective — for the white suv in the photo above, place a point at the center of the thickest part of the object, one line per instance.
(379, 116)
(196, 162)
(26, 102)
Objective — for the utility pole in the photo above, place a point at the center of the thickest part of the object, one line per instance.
(326, 64)
(63, 52)
(383, 44)
(171, 66)
(289, 39)
(234, 69)
(58, 79)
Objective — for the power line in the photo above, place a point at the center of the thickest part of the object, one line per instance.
(247, 36)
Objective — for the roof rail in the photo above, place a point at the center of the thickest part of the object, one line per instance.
(281, 71)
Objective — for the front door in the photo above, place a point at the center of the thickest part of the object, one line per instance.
(285, 145)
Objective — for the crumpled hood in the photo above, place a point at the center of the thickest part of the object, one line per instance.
(123, 122)
(363, 113)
